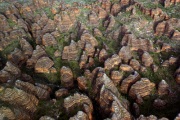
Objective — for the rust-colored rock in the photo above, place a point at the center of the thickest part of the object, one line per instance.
(125, 54)
(143, 87)
(43, 65)
(48, 40)
(6, 113)
(9, 72)
(103, 55)
(127, 82)
(38, 53)
(82, 83)
(17, 57)
(90, 50)
(66, 77)
(147, 60)
(115, 9)
(110, 63)
(116, 77)
(83, 60)
(135, 64)
(79, 100)
(93, 18)
(37, 90)
(26, 47)
(70, 52)
(87, 38)
(126, 68)
(14, 96)
(61, 92)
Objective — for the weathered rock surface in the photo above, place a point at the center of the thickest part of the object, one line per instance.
(70, 52)
(127, 82)
(43, 65)
(66, 77)
(126, 68)
(61, 92)
(143, 87)
(103, 55)
(116, 77)
(137, 44)
(18, 97)
(125, 54)
(82, 83)
(41, 91)
(37, 54)
(147, 60)
(76, 100)
(110, 63)
(9, 72)
(135, 64)
(80, 116)
(163, 88)
(48, 40)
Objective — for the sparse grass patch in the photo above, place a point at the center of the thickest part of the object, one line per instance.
(8, 49)
(11, 23)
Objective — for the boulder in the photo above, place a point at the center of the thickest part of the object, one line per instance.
(82, 83)
(128, 82)
(79, 100)
(163, 88)
(37, 54)
(111, 23)
(4, 25)
(125, 54)
(115, 9)
(61, 93)
(110, 63)
(126, 68)
(7, 113)
(26, 47)
(43, 65)
(147, 60)
(79, 116)
(66, 77)
(103, 55)
(137, 44)
(46, 118)
(48, 40)
(176, 35)
(17, 57)
(143, 87)
(89, 49)
(135, 64)
(70, 52)
(116, 77)
(102, 13)
(49, 27)
(83, 60)
(64, 22)
(87, 38)
(41, 91)
(97, 32)
(14, 96)
(93, 18)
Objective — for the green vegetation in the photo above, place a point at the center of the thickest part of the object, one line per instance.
(11, 23)
(8, 49)
(51, 109)
(80, 1)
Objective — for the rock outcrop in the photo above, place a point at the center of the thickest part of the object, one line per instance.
(143, 87)
(66, 77)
